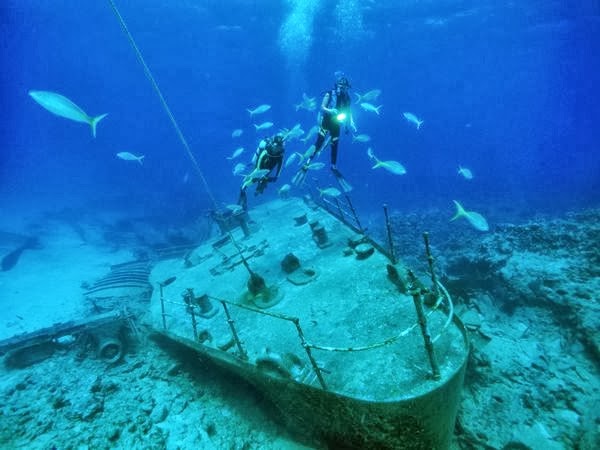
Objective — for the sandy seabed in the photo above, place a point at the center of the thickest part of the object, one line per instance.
(527, 293)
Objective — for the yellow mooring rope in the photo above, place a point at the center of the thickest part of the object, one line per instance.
(164, 103)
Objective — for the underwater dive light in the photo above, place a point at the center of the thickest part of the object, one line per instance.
(341, 117)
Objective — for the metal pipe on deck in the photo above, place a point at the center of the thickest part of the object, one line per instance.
(388, 228)
(313, 362)
(167, 282)
(236, 338)
(430, 261)
(188, 298)
(415, 291)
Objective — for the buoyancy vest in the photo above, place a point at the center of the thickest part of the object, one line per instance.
(341, 101)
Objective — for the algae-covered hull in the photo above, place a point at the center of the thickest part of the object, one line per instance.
(307, 310)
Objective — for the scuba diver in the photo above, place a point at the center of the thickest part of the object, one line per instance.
(335, 111)
(268, 157)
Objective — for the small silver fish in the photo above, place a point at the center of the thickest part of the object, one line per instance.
(63, 107)
(294, 133)
(126, 156)
(466, 173)
(293, 157)
(307, 103)
(391, 166)
(259, 109)
(238, 151)
(263, 126)
(237, 133)
(371, 108)
(413, 119)
(330, 192)
(284, 190)
(474, 218)
(370, 153)
(255, 175)
(239, 169)
(315, 166)
(368, 96)
(308, 153)
(361, 138)
(311, 133)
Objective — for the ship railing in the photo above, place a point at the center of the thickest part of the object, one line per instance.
(204, 306)
(342, 208)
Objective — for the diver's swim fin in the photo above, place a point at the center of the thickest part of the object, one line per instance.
(346, 187)
(300, 176)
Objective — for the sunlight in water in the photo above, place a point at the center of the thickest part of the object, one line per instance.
(295, 34)
(349, 21)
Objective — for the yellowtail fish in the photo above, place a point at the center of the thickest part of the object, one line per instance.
(239, 169)
(237, 133)
(330, 192)
(284, 190)
(391, 166)
(371, 108)
(294, 133)
(474, 218)
(315, 166)
(259, 109)
(466, 173)
(236, 153)
(308, 153)
(311, 133)
(126, 156)
(263, 126)
(63, 107)
(361, 138)
(413, 119)
(307, 103)
(293, 157)
(255, 175)
(368, 96)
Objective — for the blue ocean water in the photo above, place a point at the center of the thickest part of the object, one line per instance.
(507, 89)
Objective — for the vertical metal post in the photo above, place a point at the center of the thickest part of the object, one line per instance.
(194, 323)
(313, 363)
(430, 260)
(162, 308)
(351, 206)
(236, 338)
(188, 298)
(339, 207)
(388, 228)
(415, 291)
(167, 282)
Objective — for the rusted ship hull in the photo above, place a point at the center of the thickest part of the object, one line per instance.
(425, 422)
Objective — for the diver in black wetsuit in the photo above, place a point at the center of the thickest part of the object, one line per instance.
(335, 112)
(268, 156)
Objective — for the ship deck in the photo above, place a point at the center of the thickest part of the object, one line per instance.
(360, 329)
